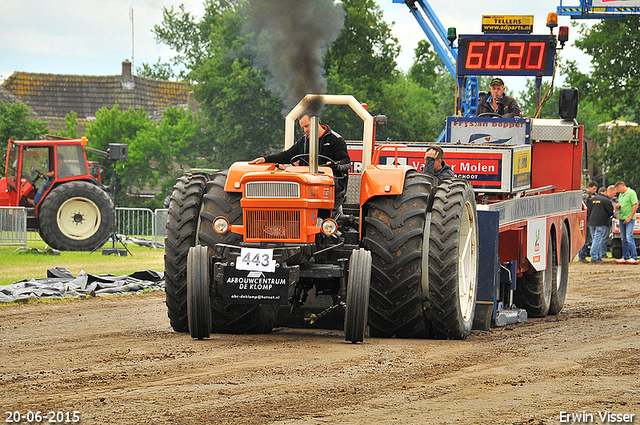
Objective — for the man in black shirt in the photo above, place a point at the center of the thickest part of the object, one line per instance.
(599, 211)
(332, 146)
(434, 164)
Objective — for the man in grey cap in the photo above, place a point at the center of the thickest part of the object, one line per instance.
(496, 102)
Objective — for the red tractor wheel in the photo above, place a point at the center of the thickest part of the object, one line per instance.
(76, 216)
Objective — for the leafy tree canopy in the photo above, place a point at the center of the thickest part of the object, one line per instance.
(18, 123)
(614, 46)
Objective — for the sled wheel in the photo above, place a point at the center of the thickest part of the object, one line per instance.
(616, 248)
(453, 260)
(198, 305)
(560, 273)
(355, 320)
(533, 291)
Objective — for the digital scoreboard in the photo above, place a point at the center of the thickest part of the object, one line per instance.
(506, 54)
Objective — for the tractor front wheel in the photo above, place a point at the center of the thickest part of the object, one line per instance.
(198, 305)
(355, 320)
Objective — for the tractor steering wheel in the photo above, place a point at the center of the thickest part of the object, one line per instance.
(489, 114)
(38, 174)
(302, 155)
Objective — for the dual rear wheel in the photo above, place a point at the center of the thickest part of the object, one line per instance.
(425, 265)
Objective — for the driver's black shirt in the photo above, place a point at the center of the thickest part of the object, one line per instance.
(332, 145)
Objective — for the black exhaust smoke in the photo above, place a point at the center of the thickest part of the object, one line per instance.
(291, 39)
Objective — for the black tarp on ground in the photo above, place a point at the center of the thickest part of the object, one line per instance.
(60, 283)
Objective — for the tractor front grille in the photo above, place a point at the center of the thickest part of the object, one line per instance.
(278, 225)
(272, 190)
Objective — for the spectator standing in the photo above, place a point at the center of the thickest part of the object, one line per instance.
(591, 190)
(627, 207)
(599, 212)
(611, 194)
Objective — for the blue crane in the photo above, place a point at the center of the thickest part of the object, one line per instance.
(444, 47)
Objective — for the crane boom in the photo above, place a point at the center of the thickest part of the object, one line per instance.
(447, 52)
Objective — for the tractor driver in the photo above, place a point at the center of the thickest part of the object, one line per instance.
(332, 145)
(63, 171)
(496, 102)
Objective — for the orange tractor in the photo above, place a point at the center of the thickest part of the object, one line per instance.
(51, 179)
(401, 260)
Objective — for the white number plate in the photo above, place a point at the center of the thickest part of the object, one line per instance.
(256, 259)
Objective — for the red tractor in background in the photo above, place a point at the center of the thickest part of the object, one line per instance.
(50, 178)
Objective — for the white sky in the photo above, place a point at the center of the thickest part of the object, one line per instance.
(93, 37)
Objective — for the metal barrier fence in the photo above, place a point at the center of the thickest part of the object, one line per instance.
(137, 223)
(160, 226)
(13, 226)
(142, 223)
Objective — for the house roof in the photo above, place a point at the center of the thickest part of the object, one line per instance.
(53, 96)
(6, 96)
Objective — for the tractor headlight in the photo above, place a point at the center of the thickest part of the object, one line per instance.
(221, 225)
(329, 226)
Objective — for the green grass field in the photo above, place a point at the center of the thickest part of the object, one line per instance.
(15, 266)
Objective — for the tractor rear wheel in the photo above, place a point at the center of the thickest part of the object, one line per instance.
(453, 260)
(230, 318)
(76, 216)
(394, 228)
(182, 224)
(198, 305)
(560, 273)
(355, 320)
(533, 291)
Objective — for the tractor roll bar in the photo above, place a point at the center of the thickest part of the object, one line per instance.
(334, 99)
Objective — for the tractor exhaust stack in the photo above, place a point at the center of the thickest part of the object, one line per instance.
(314, 143)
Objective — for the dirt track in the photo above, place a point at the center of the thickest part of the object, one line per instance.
(116, 360)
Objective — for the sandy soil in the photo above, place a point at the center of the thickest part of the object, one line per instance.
(116, 360)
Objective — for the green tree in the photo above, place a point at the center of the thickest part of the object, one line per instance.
(155, 150)
(18, 123)
(189, 38)
(618, 154)
(423, 70)
(362, 63)
(70, 128)
(614, 47)
(132, 128)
